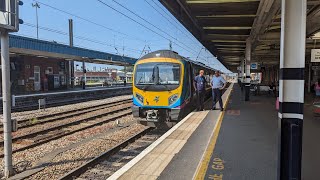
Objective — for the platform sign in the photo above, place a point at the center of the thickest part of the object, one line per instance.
(315, 55)
(315, 67)
(9, 18)
(254, 66)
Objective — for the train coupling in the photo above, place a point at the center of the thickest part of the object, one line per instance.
(152, 115)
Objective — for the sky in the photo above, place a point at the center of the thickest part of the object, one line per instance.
(144, 26)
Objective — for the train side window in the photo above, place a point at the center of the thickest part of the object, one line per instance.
(192, 76)
(207, 79)
(188, 81)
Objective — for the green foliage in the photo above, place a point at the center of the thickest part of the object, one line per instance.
(33, 120)
(129, 69)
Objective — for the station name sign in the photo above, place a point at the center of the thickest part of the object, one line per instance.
(315, 55)
(254, 66)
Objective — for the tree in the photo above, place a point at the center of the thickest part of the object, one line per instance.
(129, 69)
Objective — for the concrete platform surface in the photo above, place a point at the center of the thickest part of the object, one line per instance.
(247, 143)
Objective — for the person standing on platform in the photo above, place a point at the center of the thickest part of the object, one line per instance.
(199, 85)
(218, 83)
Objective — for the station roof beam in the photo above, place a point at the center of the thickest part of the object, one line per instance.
(221, 25)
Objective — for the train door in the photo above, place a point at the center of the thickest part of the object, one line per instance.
(191, 78)
(37, 81)
(193, 74)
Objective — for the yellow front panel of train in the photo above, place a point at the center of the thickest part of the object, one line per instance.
(159, 98)
(156, 98)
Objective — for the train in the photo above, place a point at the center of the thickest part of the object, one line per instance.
(163, 91)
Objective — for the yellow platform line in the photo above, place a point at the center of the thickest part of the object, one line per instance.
(202, 168)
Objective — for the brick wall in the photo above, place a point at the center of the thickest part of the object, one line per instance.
(25, 71)
(95, 74)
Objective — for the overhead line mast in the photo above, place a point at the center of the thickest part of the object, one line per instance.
(141, 19)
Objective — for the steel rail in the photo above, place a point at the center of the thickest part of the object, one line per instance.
(66, 114)
(83, 168)
(67, 132)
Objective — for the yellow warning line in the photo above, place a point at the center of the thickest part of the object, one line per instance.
(201, 171)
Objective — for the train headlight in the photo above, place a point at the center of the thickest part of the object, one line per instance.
(139, 97)
(173, 99)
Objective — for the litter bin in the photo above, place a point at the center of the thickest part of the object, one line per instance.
(316, 109)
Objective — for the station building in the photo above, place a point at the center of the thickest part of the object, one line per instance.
(32, 73)
(40, 66)
(96, 76)
(124, 76)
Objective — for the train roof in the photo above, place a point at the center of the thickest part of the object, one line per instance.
(174, 55)
(200, 64)
(163, 54)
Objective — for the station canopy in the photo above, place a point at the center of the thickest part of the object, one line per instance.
(19, 45)
(223, 26)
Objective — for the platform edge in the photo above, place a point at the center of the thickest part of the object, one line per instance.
(204, 162)
(135, 160)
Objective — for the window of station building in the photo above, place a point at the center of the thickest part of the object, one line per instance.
(63, 80)
(36, 73)
(50, 70)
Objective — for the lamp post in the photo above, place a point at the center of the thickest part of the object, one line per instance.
(36, 5)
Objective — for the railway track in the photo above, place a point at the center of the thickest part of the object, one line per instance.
(24, 123)
(40, 137)
(54, 99)
(110, 161)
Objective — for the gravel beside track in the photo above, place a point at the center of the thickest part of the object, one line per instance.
(40, 139)
(53, 110)
(34, 156)
(108, 166)
(42, 127)
(73, 158)
(25, 123)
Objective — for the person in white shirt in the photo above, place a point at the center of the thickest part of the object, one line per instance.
(218, 83)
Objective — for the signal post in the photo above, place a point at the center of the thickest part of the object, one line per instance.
(9, 22)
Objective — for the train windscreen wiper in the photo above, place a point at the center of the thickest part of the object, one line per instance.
(139, 80)
(165, 85)
(146, 87)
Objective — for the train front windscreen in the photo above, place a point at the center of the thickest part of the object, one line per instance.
(156, 76)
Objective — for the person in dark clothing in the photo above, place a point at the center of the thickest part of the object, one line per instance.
(199, 85)
(271, 87)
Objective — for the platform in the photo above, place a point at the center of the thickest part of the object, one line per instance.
(239, 143)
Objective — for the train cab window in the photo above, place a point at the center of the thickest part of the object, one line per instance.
(157, 76)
